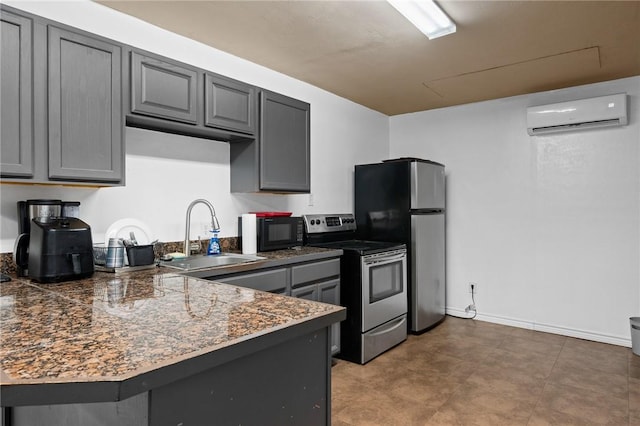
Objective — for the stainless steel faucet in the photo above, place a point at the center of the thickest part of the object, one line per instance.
(214, 222)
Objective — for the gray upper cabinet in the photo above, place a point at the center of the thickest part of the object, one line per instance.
(85, 108)
(163, 88)
(16, 72)
(67, 94)
(170, 96)
(61, 105)
(230, 104)
(284, 143)
(278, 160)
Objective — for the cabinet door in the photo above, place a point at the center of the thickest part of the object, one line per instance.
(314, 272)
(85, 108)
(284, 143)
(329, 292)
(230, 104)
(273, 281)
(163, 89)
(309, 292)
(16, 131)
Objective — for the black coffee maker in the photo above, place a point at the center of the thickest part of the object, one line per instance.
(53, 244)
(27, 211)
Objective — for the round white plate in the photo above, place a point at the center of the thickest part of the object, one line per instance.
(123, 227)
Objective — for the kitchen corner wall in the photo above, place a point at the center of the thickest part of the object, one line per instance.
(165, 172)
(548, 226)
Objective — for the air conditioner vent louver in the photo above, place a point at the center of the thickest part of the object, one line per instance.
(603, 111)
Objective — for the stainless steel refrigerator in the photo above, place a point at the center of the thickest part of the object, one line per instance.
(403, 200)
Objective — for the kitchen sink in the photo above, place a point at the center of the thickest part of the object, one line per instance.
(194, 263)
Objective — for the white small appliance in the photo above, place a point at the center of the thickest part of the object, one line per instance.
(603, 111)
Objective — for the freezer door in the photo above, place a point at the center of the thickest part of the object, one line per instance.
(427, 299)
(427, 186)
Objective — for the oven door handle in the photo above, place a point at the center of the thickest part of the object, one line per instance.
(385, 259)
(392, 325)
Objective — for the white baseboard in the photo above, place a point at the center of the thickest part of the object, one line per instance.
(546, 328)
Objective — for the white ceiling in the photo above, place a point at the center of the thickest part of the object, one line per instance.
(367, 52)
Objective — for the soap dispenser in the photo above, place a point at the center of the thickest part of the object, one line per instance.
(214, 243)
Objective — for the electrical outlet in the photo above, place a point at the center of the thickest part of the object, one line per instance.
(473, 288)
(310, 200)
(471, 307)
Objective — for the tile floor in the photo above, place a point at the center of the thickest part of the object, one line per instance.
(467, 372)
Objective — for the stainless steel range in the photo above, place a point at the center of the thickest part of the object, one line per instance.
(373, 286)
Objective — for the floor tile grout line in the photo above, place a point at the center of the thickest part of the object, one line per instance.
(546, 382)
(629, 391)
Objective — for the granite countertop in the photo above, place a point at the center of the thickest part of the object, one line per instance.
(115, 327)
(273, 258)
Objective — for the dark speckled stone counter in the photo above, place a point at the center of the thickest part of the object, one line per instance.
(121, 334)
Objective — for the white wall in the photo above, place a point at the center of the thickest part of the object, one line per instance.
(164, 172)
(548, 226)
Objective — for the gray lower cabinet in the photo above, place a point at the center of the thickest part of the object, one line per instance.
(279, 159)
(85, 108)
(309, 292)
(287, 382)
(315, 280)
(319, 281)
(16, 109)
(329, 292)
(273, 280)
(326, 292)
(230, 104)
(163, 88)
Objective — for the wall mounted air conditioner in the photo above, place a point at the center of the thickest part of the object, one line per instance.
(603, 111)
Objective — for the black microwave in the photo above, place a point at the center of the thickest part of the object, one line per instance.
(278, 232)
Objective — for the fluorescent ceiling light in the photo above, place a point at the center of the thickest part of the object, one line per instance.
(426, 16)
